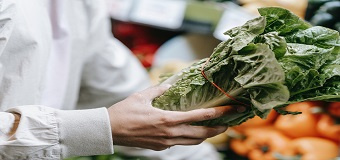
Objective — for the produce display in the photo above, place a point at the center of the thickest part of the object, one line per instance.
(271, 61)
(285, 71)
(312, 135)
(116, 156)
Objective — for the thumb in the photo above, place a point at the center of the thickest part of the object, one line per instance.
(205, 114)
(155, 91)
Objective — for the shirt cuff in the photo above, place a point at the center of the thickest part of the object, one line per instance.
(84, 132)
(7, 120)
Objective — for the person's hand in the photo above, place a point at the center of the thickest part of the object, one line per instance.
(136, 123)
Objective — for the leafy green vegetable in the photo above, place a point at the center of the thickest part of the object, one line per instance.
(282, 21)
(275, 42)
(318, 36)
(269, 62)
(324, 13)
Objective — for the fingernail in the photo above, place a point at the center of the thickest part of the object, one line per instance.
(166, 85)
(222, 128)
(241, 109)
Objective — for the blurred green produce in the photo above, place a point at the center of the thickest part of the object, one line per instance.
(324, 13)
(116, 156)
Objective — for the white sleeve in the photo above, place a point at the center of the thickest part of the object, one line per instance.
(47, 133)
(43, 132)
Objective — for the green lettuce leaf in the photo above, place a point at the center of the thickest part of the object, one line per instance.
(275, 42)
(282, 21)
(269, 62)
(319, 36)
(256, 79)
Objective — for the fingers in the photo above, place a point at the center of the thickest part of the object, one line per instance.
(159, 143)
(155, 91)
(181, 141)
(204, 114)
(196, 132)
(185, 135)
(202, 131)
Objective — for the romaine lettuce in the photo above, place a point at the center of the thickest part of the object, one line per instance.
(269, 62)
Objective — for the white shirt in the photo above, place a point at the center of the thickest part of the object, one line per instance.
(49, 51)
(59, 54)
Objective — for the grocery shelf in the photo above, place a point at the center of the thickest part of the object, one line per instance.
(179, 15)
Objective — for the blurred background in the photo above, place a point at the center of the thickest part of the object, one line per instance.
(168, 35)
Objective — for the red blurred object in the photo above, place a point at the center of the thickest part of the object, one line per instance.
(145, 53)
(142, 40)
(334, 109)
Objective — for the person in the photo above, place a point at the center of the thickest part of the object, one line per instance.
(59, 56)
